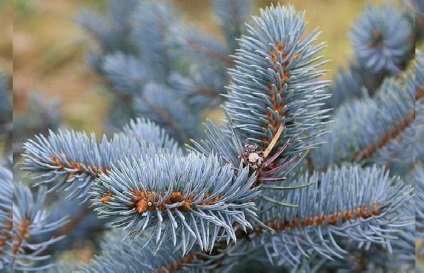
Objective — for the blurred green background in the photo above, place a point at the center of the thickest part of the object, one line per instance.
(49, 48)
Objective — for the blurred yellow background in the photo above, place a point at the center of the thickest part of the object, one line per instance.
(49, 48)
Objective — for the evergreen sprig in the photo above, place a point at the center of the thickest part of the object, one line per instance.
(71, 160)
(360, 205)
(25, 233)
(190, 199)
(29, 223)
(275, 82)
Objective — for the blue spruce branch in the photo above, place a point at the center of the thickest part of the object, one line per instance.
(25, 233)
(190, 199)
(330, 210)
(72, 160)
(275, 82)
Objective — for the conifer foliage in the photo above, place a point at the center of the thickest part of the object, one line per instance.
(302, 174)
